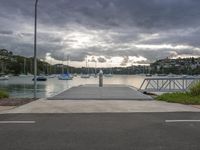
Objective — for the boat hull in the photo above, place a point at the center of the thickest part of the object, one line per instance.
(65, 77)
(85, 76)
(40, 79)
(4, 78)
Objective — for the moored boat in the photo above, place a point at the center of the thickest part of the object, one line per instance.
(52, 76)
(148, 75)
(65, 77)
(85, 76)
(108, 75)
(40, 78)
(4, 77)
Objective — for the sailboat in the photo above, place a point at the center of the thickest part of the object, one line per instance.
(24, 71)
(40, 78)
(110, 72)
(2, 75)
(95, 71)
(65, 76)
(108, 75)
(87, 75)
(50, 75)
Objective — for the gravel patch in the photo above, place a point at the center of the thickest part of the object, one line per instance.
(15, 101)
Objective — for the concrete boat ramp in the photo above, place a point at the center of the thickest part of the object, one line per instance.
(94, 99)
(108, 92)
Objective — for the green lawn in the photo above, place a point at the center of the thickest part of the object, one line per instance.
(3, 94)
(180, 97)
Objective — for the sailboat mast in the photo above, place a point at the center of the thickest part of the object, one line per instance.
(62, 67)
(86, 64)
(24, 66)
(50, 67)
(67, 63)
(95, 67)
(88, 67)
(111, 67)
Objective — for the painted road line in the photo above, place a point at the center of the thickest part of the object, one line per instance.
(169, 121)
(17, 122)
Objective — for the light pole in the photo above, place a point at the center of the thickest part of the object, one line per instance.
(35, 52)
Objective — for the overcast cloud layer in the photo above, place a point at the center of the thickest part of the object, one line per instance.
(125, 31)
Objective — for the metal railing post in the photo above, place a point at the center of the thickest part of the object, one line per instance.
(35, 51)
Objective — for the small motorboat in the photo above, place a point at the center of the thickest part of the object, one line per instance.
(148, 75)
(4, 77)
(40, 78)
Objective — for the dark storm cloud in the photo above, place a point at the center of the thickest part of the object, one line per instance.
(117, 23)
(101, 59)
(78, 56)
(159, 14)
(93, 59)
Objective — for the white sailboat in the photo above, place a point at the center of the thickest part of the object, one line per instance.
(110, 72)
(50, 75)
(108, 75)
(23, 74)
(65, 76)
(87, 75)
(95, 71)
(2, 75)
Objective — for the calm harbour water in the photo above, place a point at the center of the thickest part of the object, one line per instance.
(22, 87)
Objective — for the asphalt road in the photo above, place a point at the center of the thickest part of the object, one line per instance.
(119, 131)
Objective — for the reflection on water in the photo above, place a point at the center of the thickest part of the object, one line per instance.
(23, 86)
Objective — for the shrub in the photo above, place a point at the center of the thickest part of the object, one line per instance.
(3, 94)
(195, 89)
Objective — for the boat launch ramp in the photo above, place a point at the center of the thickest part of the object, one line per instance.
(107, 92)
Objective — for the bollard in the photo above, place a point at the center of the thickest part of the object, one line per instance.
(100, 78)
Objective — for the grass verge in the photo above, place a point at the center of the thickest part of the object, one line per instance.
(190, 97)
(180, 97)
(3, 94)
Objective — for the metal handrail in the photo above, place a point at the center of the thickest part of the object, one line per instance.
(168, 84)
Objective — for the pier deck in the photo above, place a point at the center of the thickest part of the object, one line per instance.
(108, 92)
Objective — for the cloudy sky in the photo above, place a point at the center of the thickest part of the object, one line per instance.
(110, 32)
